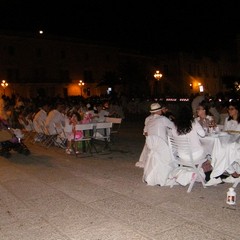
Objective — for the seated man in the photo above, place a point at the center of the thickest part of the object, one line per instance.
(55, 117)
(40, 117)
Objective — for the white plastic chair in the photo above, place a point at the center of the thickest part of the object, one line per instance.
(49, 139)
(27, 130)
(61, 138)
(180, 146)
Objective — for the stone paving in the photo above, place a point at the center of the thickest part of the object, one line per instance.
(53, 196)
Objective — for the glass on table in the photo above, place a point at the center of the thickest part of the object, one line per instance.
(211, 123)
(211, 126)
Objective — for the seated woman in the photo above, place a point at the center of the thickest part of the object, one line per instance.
(157, 165)
(204, 117)
(227, 156)
(232, 121)
(189, 127)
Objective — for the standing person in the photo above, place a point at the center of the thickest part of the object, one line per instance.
(157, 166)
(190, 128)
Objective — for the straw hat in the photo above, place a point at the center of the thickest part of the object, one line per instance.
(155, 107)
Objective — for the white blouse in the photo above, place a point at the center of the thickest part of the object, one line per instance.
(231, 125)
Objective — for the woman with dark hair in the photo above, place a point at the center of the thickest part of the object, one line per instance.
(188, 127)
(232, 122)
(227, 156)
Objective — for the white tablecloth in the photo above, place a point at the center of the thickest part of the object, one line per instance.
(225, 152)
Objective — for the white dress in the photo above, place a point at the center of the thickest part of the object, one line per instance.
(158, 165)
(145, 151)
(154, 124)
(226, 154)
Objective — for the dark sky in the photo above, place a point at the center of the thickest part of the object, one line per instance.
(152, 26)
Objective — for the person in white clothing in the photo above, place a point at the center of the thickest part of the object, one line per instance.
(232, 122)
(103, 112)
(157, 166)
(227, 158)
(40, 117)
(204, 117)
(55, 117)
(187, 126)
(155, 107)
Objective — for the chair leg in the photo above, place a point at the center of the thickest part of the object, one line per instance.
(192, 182)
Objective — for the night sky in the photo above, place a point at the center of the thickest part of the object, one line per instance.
(150, 27)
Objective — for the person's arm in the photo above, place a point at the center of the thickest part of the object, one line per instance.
(169, 123)
(199, 128)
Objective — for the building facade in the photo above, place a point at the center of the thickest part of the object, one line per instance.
(50, 65)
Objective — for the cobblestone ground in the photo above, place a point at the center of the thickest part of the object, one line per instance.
(54, 196)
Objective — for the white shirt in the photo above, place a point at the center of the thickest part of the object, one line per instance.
(158, 125)
(231, 125)
(146, 121)
(101, 115)
(39, 117)
(194, 136)
(56, 117)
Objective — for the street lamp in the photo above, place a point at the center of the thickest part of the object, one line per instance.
(4, 85)
(81, 84)
(157, 76)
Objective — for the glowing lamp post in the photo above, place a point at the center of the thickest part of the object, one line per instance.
(157, 76)
(4, 85)
(81, 84)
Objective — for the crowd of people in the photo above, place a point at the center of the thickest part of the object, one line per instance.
(52, 114)
(195, 121)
